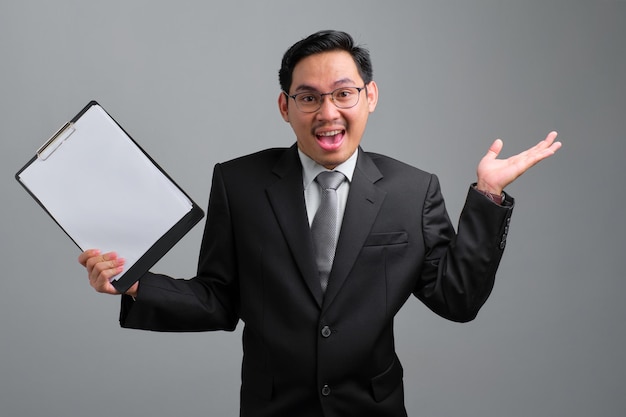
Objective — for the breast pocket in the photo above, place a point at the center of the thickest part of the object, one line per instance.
(387, 239)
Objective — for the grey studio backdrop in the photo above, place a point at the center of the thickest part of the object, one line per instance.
(195, 83)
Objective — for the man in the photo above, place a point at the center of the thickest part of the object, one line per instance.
(318, 341)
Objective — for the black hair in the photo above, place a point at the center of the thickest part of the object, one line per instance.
(324, 41)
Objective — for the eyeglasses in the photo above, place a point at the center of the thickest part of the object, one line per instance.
(311, 101)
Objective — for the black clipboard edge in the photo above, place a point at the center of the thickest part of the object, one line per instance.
(159, 249)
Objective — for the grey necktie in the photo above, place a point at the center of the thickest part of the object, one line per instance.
(325, 224)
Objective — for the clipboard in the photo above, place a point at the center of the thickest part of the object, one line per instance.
(105, 192)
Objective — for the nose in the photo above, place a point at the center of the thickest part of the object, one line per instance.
(327, 110)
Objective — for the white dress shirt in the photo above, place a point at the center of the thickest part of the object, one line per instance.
(312, 190)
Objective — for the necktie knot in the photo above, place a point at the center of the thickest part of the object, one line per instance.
(330, 180)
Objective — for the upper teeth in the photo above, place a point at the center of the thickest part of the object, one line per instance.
(331, 133)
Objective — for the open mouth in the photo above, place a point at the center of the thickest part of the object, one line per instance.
(330, 140)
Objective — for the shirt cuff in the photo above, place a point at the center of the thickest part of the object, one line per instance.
(498, 199)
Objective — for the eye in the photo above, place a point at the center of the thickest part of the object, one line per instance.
(344, 93)
(307, 98)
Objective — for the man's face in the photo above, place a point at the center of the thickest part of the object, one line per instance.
(329, 135)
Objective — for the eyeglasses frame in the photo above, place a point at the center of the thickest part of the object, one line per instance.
(293, 96)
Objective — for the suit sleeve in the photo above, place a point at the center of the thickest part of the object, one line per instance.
(210, 301)
(459, 268)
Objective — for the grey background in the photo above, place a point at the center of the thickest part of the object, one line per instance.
(195, 83)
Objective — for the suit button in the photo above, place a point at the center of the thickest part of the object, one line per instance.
(325, 390)
(326, 331)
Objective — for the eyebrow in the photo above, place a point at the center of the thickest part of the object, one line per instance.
(338, 83)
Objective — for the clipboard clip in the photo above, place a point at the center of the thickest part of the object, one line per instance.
(55, 141)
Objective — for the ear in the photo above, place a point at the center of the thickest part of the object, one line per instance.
(283, 106)
(372, 95)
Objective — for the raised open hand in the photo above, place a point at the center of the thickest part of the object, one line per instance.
(495, 174)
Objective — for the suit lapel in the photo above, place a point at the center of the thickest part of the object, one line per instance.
(363, 205)
(287, 199)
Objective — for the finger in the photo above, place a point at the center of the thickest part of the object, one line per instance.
(104, 267)
(89, 253)
(95, 260)
(108, 257)
(553, 145)
(547, 142)
(109, 262)
(103, 272)
(551, 136)
(104, 286)
(548, 146)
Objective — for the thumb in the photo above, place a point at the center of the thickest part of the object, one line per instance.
(495, 148)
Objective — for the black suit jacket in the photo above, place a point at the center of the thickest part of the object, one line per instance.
(306, 354)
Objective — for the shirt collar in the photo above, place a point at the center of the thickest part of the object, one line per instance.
(310, 168)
